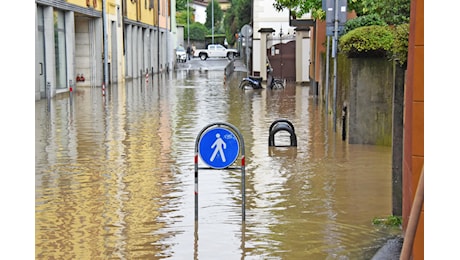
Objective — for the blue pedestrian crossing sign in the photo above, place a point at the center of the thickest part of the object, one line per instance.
(219, 147)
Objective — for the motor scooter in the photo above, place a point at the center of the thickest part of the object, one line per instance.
(251, 82)
(274, 83)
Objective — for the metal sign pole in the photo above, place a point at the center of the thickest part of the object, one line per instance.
(327, 76)
(243, 187)
(335, 20)
(196, 185)
(247, 55)
(246, 31)
(334, 53)
(209, 145)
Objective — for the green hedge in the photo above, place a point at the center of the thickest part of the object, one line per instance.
(401, 43)
(368, 41)
(197, 32)
(377, 41)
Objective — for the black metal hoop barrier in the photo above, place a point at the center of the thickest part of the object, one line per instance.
(281, 125)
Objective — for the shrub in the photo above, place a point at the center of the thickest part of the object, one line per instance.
(401, 43)
(367, 41)
(365, 20)
(197, 32)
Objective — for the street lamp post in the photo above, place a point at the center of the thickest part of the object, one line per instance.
(212, 20)
(281, 51)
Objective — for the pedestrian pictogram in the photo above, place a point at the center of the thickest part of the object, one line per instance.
(219, 148)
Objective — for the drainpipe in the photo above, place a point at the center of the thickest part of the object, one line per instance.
(167, 37)
(104, 32)
(312, 74)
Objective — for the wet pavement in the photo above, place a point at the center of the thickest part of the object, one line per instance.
(114, 175)
(391, 250)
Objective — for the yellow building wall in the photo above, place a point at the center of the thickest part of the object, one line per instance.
(135, 10)
(140, 11)
(131, 10)
(96, 4)
(111, 7)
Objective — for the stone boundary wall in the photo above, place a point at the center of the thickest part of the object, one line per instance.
(365, 87)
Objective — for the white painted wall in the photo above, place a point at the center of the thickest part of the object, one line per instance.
(305, 60)
(256, 55)
(200, 13)
(265, 16)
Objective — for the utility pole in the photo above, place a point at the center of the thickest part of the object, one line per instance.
(334, 55)
(188, 24)
(336, 16)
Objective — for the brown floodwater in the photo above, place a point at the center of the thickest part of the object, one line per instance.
(114, 176)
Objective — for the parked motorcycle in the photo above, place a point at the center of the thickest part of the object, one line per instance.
(274, 83)
(251, 82)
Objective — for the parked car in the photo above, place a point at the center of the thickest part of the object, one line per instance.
(215, 51)
(181, 55)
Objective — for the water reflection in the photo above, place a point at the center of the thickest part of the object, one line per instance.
(114, 176)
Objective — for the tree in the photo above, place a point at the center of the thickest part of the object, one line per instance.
(358, 39)
(238, 15)
(393, 12)
(218, 15)
(181, 5)
(181, 17)
(300, 7)
(230, 26)
(244, 9)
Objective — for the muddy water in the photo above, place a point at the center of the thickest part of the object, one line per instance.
(115, 176)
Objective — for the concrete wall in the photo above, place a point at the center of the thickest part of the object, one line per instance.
(365, 87)
(371, 102)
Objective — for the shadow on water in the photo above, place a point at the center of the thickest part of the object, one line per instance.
(114, 176)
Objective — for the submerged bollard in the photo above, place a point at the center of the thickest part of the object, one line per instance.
(344, 122)
(281, 125)
(70, 90)
(48, 90)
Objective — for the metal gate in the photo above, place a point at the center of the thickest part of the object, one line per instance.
(282, 59)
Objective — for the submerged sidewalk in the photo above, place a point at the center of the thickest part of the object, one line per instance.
(390, 250)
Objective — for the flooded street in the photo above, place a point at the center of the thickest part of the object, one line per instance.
(114, 176)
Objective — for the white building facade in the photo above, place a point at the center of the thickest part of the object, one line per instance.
(271, 29)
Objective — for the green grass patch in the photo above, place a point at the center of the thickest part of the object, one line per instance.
(390, 221)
